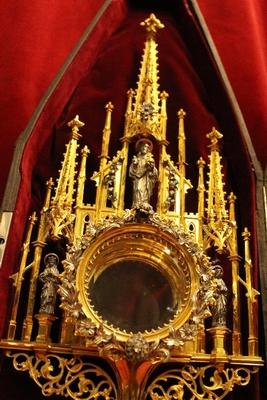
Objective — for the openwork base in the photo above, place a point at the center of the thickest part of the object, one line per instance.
(81, 378)
(210, 382)
(74, 377)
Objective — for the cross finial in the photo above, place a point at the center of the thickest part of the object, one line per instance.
(181, 113)
(50, 183)
(246, 234)
(152, 24)
(75, 124)
(109, 106)
(232, 198)
(214, 137)
(33, 218)
(201, 163)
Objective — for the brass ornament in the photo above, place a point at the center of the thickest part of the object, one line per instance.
(74, 377)
(209, 382)
(173, 251)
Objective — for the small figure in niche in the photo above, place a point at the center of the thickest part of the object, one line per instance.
(144, 175)
(50, 279)
(219, 309)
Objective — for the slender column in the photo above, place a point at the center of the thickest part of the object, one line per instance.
(67, 330)
(39, 245)
(106, 136)
(125, 152)
(81, 177)
(201, 339)
(181, 164)
(162, 188)
(19, 278)
(201, 198)
(79, 222)
(129, 110)
(235, 260)
(162, 153)
(163, 115)
(100, 197)
(251, 298)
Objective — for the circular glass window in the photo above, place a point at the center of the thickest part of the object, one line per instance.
(133, 296)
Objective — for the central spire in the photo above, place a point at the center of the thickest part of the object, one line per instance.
(147, 94)
(145, 114)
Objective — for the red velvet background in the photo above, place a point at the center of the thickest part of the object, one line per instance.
(89, 84)
(36, 38)
(26, 200)
(239, 31)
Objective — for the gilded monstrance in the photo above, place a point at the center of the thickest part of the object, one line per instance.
(137, 308)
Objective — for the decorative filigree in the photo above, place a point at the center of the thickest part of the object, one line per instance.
(67, 290)
(184, 239)
(60, 220)
(75, 378)
(218, 232)
(135, 347)
(111, 178)
(110, 183)
(209, 382)
(152, 24)
(146, 111)
(172, 189)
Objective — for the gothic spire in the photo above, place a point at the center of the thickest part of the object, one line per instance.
(148, 106)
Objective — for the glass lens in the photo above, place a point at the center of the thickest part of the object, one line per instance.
(133, 296)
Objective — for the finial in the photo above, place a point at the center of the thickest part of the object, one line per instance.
(201, 163)
(164, 95)
(85, 151)
(130, 93)
(33, 218)
(109, 106)
(152, 24)
(246, 234)
(181, 113)
(75, 124)
(214, 137)
(232, 198)
(50, 183)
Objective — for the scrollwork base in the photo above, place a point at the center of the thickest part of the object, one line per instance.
(210, 382)
(70, 377)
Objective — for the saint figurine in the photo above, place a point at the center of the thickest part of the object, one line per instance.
(50, 279)
(144, 175)
(219, 309)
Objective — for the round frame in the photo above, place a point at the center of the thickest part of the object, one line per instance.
(145, 243)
